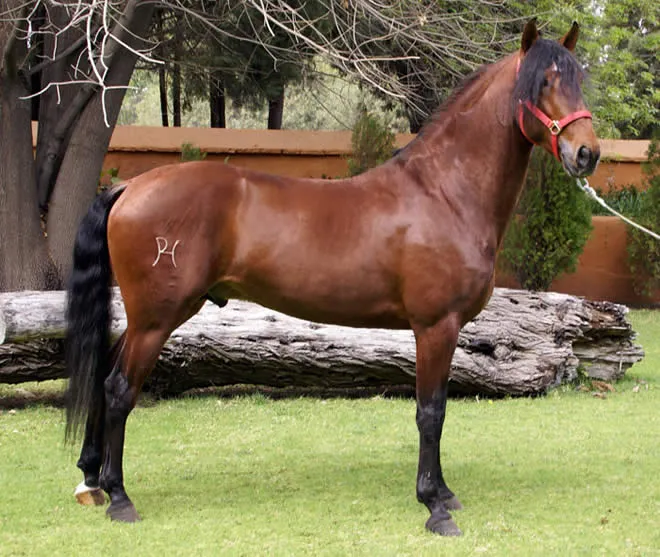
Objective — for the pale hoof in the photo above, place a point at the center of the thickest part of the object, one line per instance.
(86, 495)
(123, 512)
(443, 526)
(453, 504)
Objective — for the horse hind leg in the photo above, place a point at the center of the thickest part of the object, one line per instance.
(89, 491)
(122, 387)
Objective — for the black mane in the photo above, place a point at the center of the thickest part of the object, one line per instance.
(540, 57)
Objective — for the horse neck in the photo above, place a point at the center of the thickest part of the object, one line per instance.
(477, 150)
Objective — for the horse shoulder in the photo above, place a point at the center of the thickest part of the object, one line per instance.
(445, 274)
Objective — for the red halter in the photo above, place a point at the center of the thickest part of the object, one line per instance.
(555, 126)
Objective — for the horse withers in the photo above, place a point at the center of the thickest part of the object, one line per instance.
(409, 244)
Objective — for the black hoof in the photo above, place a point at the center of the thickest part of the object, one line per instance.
(453, 504)
(123, 512)
(443, 526)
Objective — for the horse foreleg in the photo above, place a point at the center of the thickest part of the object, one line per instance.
(435, 349)
(122, 388)
(89, 491)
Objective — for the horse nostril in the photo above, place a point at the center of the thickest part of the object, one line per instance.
(583, 157)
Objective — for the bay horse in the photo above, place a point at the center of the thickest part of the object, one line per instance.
(410, 244)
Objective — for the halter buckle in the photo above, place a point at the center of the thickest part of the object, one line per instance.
(554, 127)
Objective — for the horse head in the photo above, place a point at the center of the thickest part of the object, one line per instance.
(549, 107)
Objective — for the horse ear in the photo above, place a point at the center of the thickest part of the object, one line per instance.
(530, 34)
(569, 40)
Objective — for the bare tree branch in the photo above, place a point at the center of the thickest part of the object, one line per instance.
(406, 49)
(113, 41)
(73, 47)
(399, 48)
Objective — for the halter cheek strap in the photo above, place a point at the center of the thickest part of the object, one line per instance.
(555, 126)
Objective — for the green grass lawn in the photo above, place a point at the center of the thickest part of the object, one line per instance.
(565, 474)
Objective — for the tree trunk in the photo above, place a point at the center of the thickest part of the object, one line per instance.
(176, 76)
(521, 344)
(217, 101)
(77, 182)
(162, 69)
(162, 87)
(176, 95)
(23, 255)
(275, 112)
(56, 114)
(38, 23)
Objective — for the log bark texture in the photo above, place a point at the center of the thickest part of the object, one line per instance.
(522, 343)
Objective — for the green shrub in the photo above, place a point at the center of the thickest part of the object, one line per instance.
(108, 178)
(644, 250)
(551, 228)
(626, 200)
(191, 153)
(372, 142)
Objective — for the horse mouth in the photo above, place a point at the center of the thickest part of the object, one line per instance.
(574, 170)
(571, 169)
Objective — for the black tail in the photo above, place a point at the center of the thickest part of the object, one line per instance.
(88, 315)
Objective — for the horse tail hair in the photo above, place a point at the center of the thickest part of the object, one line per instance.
(87, 343)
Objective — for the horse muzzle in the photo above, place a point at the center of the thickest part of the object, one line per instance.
(581, 161)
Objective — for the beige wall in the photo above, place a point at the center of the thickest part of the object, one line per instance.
(136, 149)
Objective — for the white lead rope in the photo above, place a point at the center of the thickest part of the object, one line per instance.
(585, 187)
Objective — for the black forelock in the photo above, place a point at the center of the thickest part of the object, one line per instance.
(542, 54)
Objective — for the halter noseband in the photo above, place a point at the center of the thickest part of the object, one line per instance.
(555, 126)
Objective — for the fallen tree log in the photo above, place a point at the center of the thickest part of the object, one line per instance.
(522, 343)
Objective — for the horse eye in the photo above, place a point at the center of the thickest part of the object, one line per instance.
(545, 82)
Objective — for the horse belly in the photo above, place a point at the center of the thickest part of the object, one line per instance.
(321, 252)
(333, 292)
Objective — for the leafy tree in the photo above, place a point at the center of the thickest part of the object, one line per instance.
(372, 142)
(626, 72)
(551, 228)
(328, 102)
(620, 48)
(643, 250)
(251, 66)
